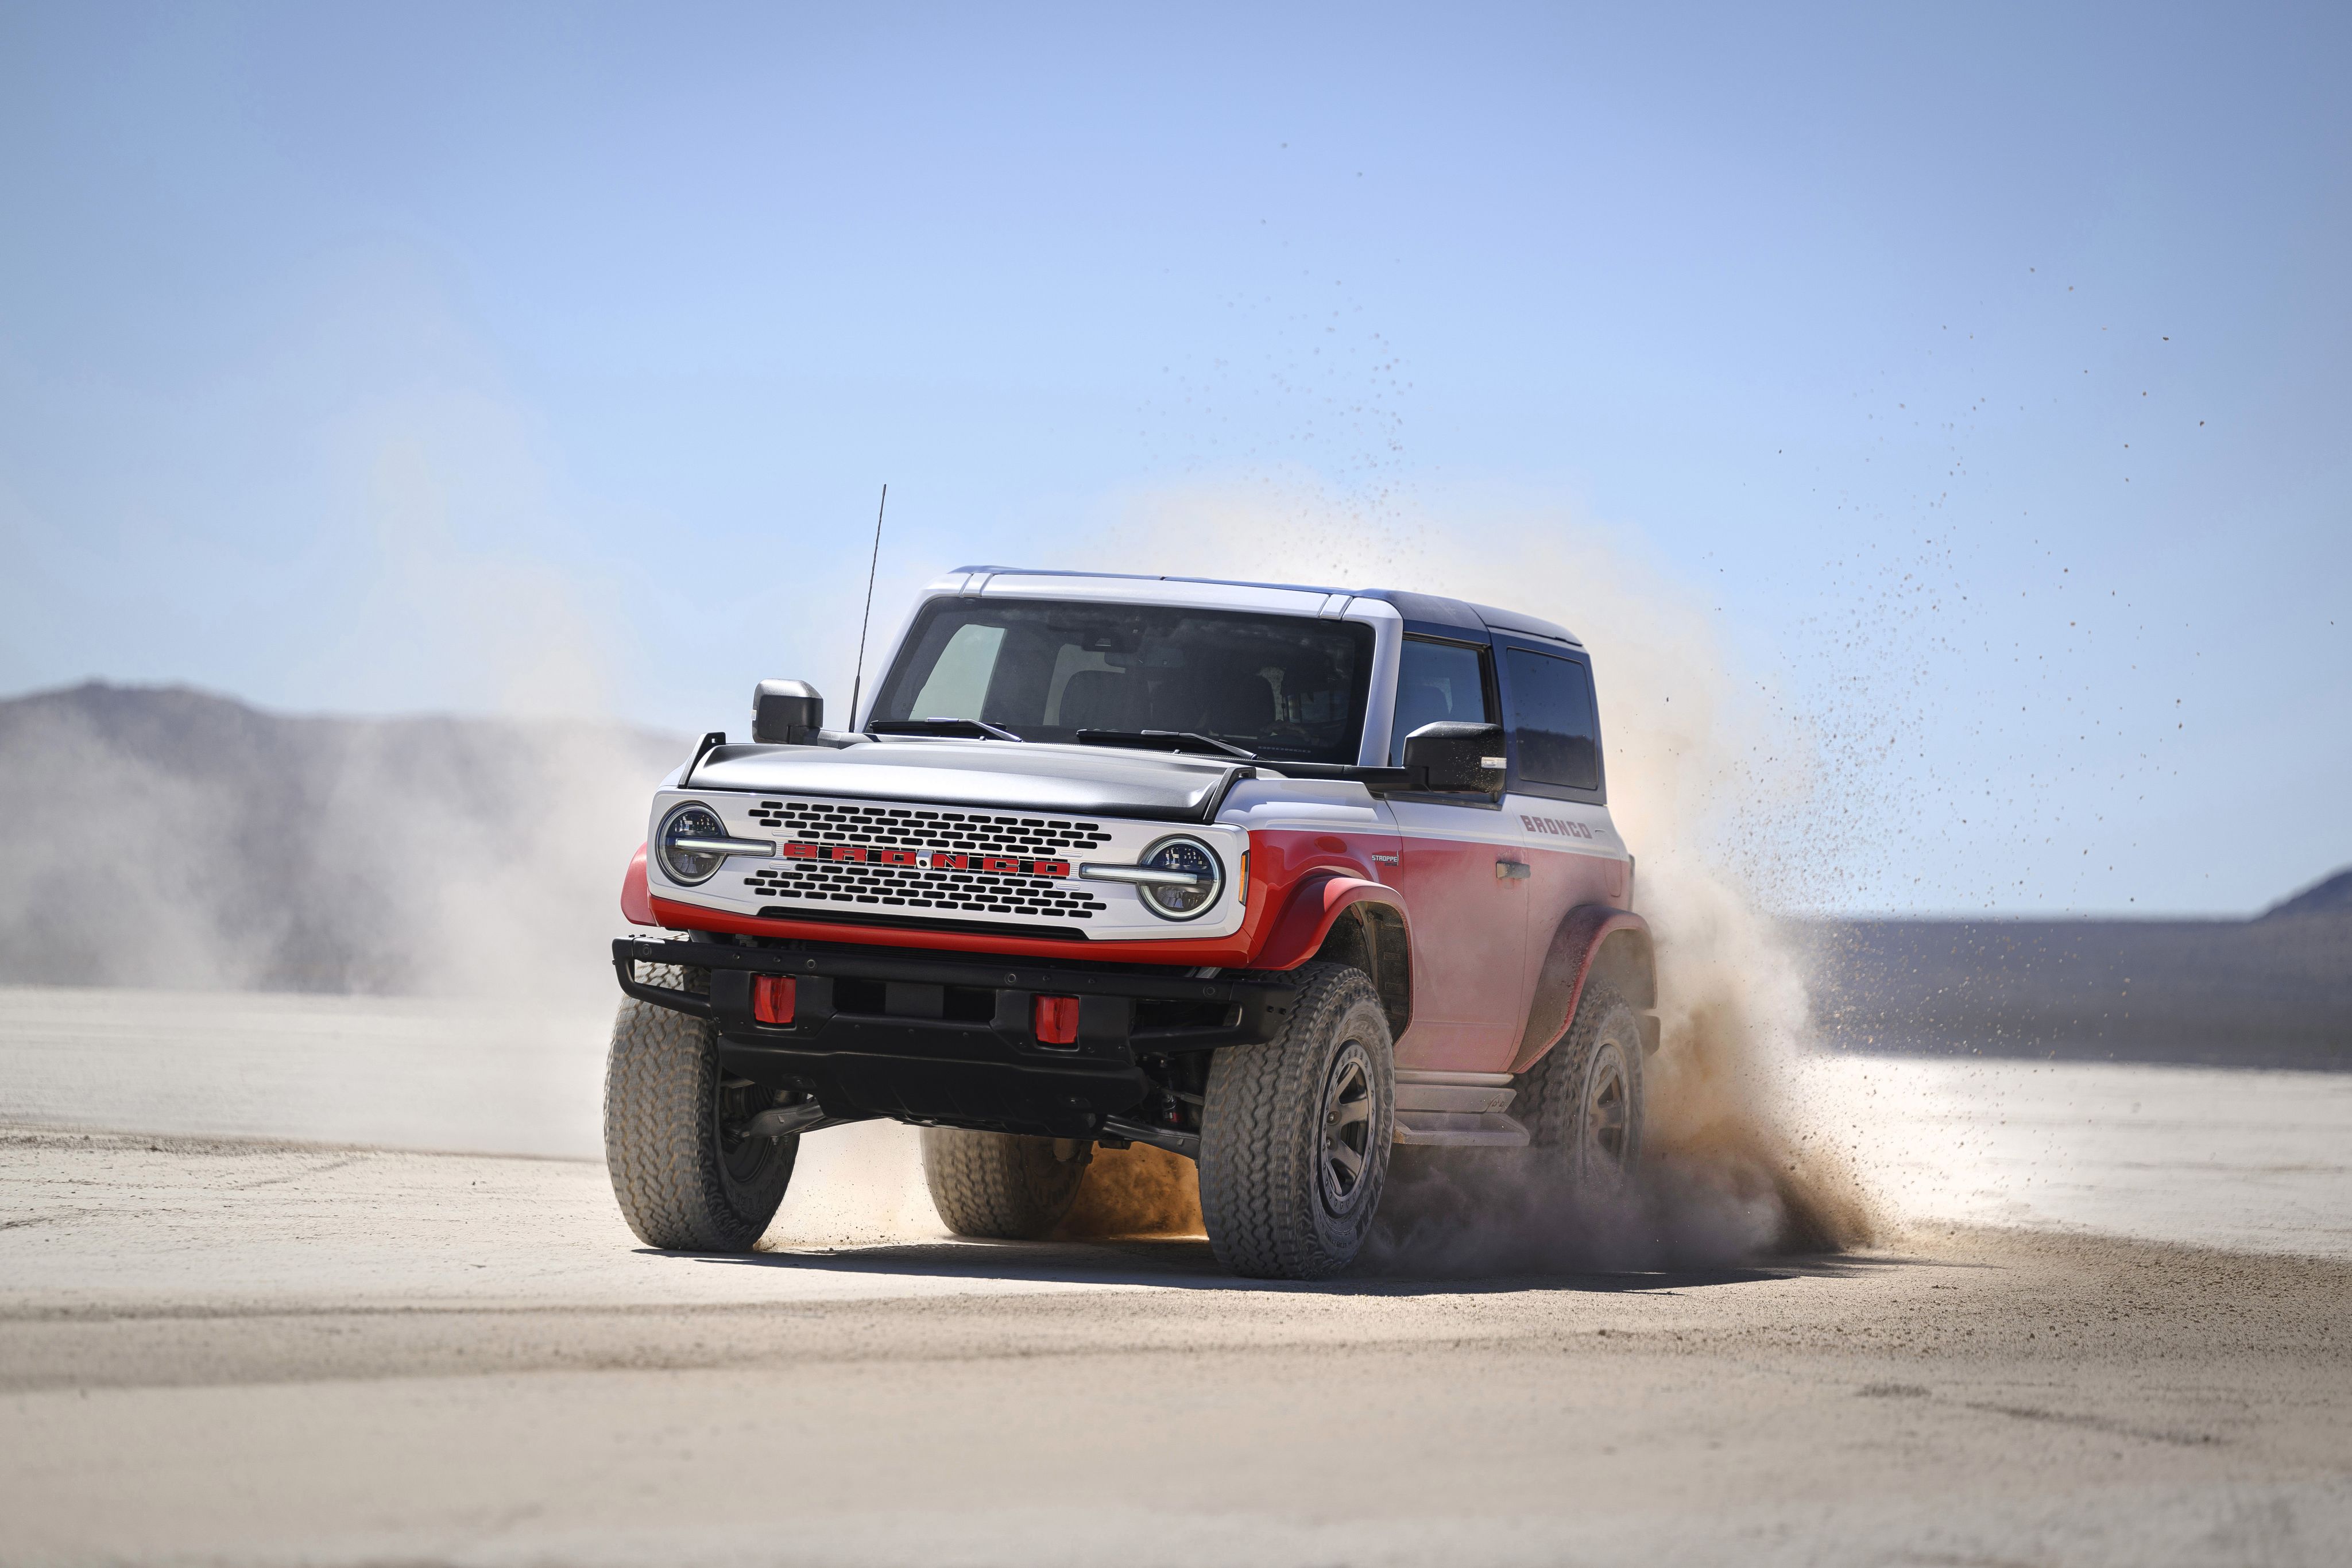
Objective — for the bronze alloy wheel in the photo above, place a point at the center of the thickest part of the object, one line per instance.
(1343, 1139)
(1608, 1115)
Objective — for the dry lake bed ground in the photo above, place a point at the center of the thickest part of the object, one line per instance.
(258, 1303)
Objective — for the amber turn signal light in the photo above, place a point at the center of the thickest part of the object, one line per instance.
(1058, 1021)
(772, 997)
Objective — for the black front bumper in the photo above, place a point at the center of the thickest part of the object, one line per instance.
(949, 1041)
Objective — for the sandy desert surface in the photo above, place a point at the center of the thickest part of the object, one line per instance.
(310, 1280)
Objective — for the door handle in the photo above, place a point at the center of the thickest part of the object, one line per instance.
(1513, 871)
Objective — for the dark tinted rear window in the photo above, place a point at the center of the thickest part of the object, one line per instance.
(1552, 717)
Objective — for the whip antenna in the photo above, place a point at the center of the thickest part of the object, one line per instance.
(856, 685)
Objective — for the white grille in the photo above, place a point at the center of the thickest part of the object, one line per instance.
(934, 870)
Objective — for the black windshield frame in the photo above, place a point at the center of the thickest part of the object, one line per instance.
(1287, 687)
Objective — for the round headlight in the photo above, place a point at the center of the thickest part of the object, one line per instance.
(1183, 901)
(689, 822)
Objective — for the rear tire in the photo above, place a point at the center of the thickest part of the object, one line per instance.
(1002, 1185)
(1295, 1134)
(1582, 1102)
(686, 1180)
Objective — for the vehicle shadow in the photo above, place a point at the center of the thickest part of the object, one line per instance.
(1187, 1263)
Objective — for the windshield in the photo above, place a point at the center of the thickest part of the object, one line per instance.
(1284, 686)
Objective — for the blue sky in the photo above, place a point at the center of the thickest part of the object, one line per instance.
(1983, 373)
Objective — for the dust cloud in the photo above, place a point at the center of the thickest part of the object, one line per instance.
(1712, 780)
(165, 838)
(1137, 1191)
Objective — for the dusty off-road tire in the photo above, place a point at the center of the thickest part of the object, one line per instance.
(683, 1182)
(1581, 1104)
(1295, 1134)
(1002, 1185)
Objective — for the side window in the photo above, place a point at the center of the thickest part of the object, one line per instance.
(1551, 713)
(1436, 682)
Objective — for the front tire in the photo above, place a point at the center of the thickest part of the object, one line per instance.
(1002, 1185)
(1295, 1134)
(1582, 1102)
(686, 1177)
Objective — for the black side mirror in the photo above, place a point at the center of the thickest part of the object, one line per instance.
(785, 713)
(1456, 758)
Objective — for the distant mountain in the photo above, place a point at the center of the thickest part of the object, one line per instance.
(166, 837)
(2331, 895)
(2272, 991)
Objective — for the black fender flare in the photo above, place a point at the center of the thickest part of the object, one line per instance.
(1372, 934)
(1595, 943)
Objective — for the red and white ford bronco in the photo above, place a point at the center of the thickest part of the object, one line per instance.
(1273, 877)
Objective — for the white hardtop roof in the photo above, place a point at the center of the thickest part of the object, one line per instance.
(1219, 594)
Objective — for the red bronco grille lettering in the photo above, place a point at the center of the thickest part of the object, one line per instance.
(924, 860)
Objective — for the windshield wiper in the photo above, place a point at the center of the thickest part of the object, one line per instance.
(1163, 740)
(968, 728)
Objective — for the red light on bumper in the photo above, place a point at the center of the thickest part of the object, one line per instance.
(1057, 1019)
(772, 997)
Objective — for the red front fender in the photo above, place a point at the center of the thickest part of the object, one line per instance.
(636, 898)
(1306, 918)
